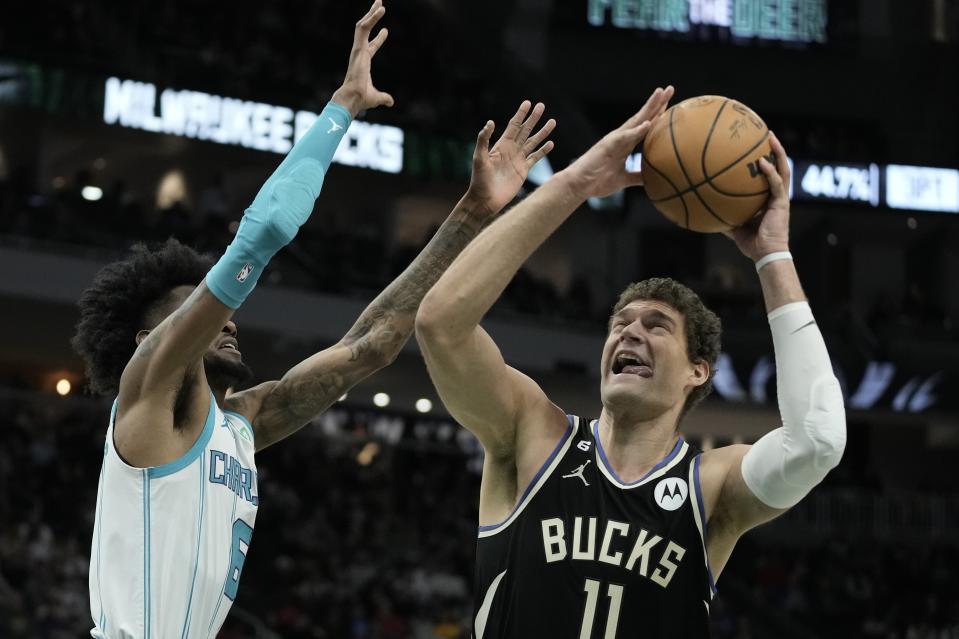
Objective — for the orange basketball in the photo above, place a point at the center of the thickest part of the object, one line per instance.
(701, 163)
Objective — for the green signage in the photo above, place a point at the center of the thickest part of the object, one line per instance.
(782, 20)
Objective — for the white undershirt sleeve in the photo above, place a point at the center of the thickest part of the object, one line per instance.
(785, 464)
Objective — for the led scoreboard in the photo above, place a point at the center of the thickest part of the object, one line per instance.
(800, 21)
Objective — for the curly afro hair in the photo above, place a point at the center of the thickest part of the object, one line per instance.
(119, 302)
(703, 328)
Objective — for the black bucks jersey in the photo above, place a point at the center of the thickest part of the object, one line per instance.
(584, 555)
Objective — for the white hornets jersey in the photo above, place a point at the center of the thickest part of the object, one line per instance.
(170, 541)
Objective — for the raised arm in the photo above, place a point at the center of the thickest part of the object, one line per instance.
(484, 394)
(748, 485)
(168, 361)
(283, 407)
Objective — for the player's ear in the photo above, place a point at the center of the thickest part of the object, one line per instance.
(142, 335)
(699, 373)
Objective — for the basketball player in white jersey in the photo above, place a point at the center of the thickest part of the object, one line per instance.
(178, 492)
(662, 519)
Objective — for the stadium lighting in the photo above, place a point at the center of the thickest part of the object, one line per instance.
(63, 386)
(367, 454)
(91, 193)
(381, 399)
(424, 405)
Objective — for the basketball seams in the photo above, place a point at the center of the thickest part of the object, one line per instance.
(709, 180)
(670, 182)
(679, 159)
(682, 167)
(709, 135)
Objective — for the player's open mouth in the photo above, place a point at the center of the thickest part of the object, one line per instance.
(229, 345)
(631, 364)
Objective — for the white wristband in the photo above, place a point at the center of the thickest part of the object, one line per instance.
(772, 257)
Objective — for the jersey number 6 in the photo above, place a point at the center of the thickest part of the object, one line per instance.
(242, 534)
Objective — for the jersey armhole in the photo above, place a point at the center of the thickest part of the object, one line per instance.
(245, 425)
(156, 472)
(699, 514)
(538, 479)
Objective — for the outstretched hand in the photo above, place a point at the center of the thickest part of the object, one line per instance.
(768, 232)
(357, 92)
(499, 172)
(602, 169)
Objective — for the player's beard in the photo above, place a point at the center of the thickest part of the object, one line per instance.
(223, 372)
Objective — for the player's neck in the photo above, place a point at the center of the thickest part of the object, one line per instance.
(219, 394)
(633, 446)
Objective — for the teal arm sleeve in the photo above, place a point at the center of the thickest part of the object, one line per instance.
(282, 206)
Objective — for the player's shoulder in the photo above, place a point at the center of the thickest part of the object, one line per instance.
(247, 403)
(717, 462)
(715, 465)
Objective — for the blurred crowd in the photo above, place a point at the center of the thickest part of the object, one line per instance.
(330, 258)
(293, 52)
(359, 538)
(852, 588)
(335, 258)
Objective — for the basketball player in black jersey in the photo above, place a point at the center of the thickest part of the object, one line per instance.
(616, 527)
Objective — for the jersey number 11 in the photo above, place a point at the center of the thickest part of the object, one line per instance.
(615, 594)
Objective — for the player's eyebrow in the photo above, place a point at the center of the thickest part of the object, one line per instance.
(615, 316)
(650, 314)
(659, 315)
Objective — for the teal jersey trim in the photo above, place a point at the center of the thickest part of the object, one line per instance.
(209, 628)
(196, 559)
(246, 422)
(191, 455)
(146, 553)
(103, 617)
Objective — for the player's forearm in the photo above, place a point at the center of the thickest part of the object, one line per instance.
(281, 207)
(175, 345)
(387, 323)
(782, 467)
(373, 342)
(780, 284)
(460, 299)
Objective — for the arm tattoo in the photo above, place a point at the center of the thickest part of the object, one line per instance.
(292, 402)
(383, 328)
(373, 341)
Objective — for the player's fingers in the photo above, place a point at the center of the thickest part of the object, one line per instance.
(634, 178)
(516, 122)
(378, 41)
(482, 139)
(664, 102)
(384, 99)
(776, 187)
(636, 134)
(782, 160)
(539, 154)
(539, 136)
(652, 106)
(365, 24)
(530, 122)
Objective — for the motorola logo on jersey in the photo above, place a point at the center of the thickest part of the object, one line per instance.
(671, 493)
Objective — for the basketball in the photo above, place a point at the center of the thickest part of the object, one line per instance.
(701, 163)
